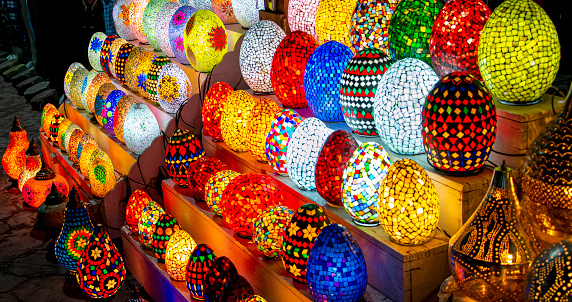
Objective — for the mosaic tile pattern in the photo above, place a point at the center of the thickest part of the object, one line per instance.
(269, 230)
(215, 187)
(302, 16)
(84, 86)
(183, 148)
(138, 200)
(334, 21)
(178, 253)
(109, 109)
(202, 258)
(121, 111)
(223, 10)
(130, 74)
(258, 127)
(164, 16)
(149, 217)
(205, 41)
(148, 21)
(121, 61)
(153, 76)
(93, 88)
(219, 275)
(370, 22)
(213, 108)
(105, 56)
(200, 171)
(69, 75)
(140, 128)
(177, 32)
(277, 140)
(143, 67)
(165, 226)
(113, 54)
(234, 119)
(101, 177)
(121, 15)
(76, 85)
(246, 11)
(136, 18)
(94, 49)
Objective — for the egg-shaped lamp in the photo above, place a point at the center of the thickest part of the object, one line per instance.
(178, 253)
(148, 21)
(93, 88)
(202, 258)
(334, 21)
(269, 229)
(213, 108)
(100, 100)
(370, 22)
(108, 112)
(101, 177)
(183, 149)
(84, 87)
(237, 289)
(177, 27)
(122, 19)
(14, 157)
(200, 171)
(143, 67)
(549, 274)
(173, 87)
(164, 16)
(98, 153)
(281, 129)
(140, 128)
(85, 140)
(69, 75)
(138, 200)
(121, 111)
(93, 51)
(149, 217)
(223, 10)
(131, 64)
(120, 61)
(47, 114)
(205, 40)
(76, 85)
(258, 127)
(153, 76)
(32, 163)
(114, 54)
(246, 12)
(215, 187)
(163, 229)
(85, 159)
(302, 16)
(234, 119)
(217, 279)
(136, 18)
(105, 53)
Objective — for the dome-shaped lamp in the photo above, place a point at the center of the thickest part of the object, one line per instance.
(73, 144)
(47, 114)
(258, 126)
(213, 108)
(173, 88)
(114, 54)
(85, 158)
(121, 19)
(62, 132)
(97, 153)
(84, 88)
(223, 10)
(130, 78)
(183, 149)
(105, 53)
(36, 189)
(54, 128)
(69, 75)
(138, 200)
(14, 158)
(177, 32)
(164, 16)
(85, 140)
(205, 40)
(67, 136)
(200, 171)
(217, 279)
(165, 226)
(123, 107)
(246, 11)
(32, 163)
(237, 289)
(269, 229)
(178, 253)
(550, 273)
(120, 62)
(101, 177)
(302, 16)
(143, 67)
(370, 22)
(94, 49)
(140, 128)
(277, 140)
(149, 217)
(234, 119)
(50, 215)
(136, 18)
(202, 258)
(75, 87)
(215, 187)
(100, 100)
(148, 22)
(334, 21)
(153, 76)
(108, 112)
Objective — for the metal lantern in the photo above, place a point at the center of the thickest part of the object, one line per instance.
(50, 215)
(332, 161)
(220, 273)
(138, 200)
(361, 181)
(140, 128)
(202, 258)
(32, 164)
(409, 31)
(73, 143)
(178, 253)
(205, 40)
(459, 125)
(101, 177)
(36, 189)
(223, 10)
(269, 229)
(14, 158)
(519, 70)
(75, 87)
(302, 16)
(550, 273)
(143, 67)
(153, 76)
(149, 217)
(165, 226)
(288, 67)
(245, 198)
(95, 45)
(85, 159)
(455, 37)
(304, 228)
(123, 107)
(322, 80)
(114, 54)
(234, 119)
(277, 140)
(130, 74)
(136, 18)
(408, 203)
(213, 108)
(303, 151)
(398, 104)
(256, 53)
(148, 21)
(105, 53)
(358, 87)
(177, 32)
(93, 88)
(370, 22)
(246, 11)
(100, 100)
(183, 149)
(122, 19)
(173, 87)
(334, 21)
(108, 112)
(164, 16)
(69, 75)
(120, 62)
(215, 187)
(200, 171)
(62, 132)
(258, 126)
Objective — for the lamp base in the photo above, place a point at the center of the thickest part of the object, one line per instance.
(519, 103)
(71, 278)
(366, 224)
(75, 165)
(55, 144)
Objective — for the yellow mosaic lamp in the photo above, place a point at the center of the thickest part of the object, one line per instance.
(62, 131)
(258, 127)
(131, 67)
(205, 40)
(99, 79)
(519, 52)
(101, 177)
(234, 118)
(142, 70)
(334, 21)
(75, 87)
(178, 253)
(85, 159)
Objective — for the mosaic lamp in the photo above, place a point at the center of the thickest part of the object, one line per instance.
(255, 298)
(178, 253)
(37, 188)
(455, 37)
(202, 258)
(173, 87)
(358, 87)
(245, 198)
(398, 103)
(14, 158)
(332, 161)
(97, 153)
(237, 289)
(370, 22)
(142, 70)
(122, 19)
(200, 4)
(299, 238)
(136, 19)
(220, 273)
(458, 125)
(86, 82)
(109, 109)
(85, 140)
(73, 143)
(322, 80)
(148, 22)
(32, 163)
(205, 40)
(408, 203)
(409, 31)
(246, 11)
(130, 74)
(177, 32)
(85, 159)
(549, 274)
(50, 215)
(149, 217)
(302, 16)
(200, 171)
(93, 88)
(518, 70)
(163, 229)
(94, 49)
(100, 100)
(76, 84)
(258, 126)
(164, 16)
(105, 53)
(67, 135)
(361, 181)
(215, 187)
(336, 269)
(120, 61)
(101, 177)
(256, 53)
(491, 253)
(114, 55)
(223, 10)
(269, 230)
(334, 21)
(277, 140)
(303, 151)
(234, 119)
(48, 113)
(288, 67)
(140, 128)
(137, 202)
(62, 132)
(213, 108)
(120, 115)
(153, 76)
(183, 149)
(69, 75)
(57, 119)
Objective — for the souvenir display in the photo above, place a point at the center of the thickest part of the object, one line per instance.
(75, 87)
(213, 108)
(62, 132)
(50, 215)
(85, 159)
(93, 88)
(105, 53)
(109, 109)
(130, 74)
(100, 100)
(114, 54)
(123, 107)
(85, 140)
(246, 11)
(215, 187)
(86, 82)
(67, 136)
(54, 128)
(220, 273)
(120, 64)
(281, 130)
(549, 274)
(183, 149)
(223, 10)
(143, 67)
(173, 87)
(73, 144)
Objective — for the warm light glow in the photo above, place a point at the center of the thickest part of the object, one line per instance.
(258, 127)
(165, 226)
(140, 128)
(234, 119)
(202, 258)
(215, 187)
(136, 19)
(62, 132)
(85, 140)
(54, 127)
(94, 49)
(101, 177)
(178, 253)
(213, 108)
(47, 119)
(177, 31)
(218, 280)
(75, 87)
(277, 140)
(109, 109)
(121, 111)
(269, 229)
(144, 66)
(73, 143)
(173, 88)
(183, 149)
(100, 100)
(302, 16)
(32, 163)
(67, 136)
(200, 171)
(138, 200)
(153, 76)
(69, 75)
(223, 10)
(334, 21)
(149, 217)
(85, 159)
(131, 64)
(122, 19)
(14, 157)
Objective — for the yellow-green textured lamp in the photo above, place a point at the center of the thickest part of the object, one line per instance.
(205, 40)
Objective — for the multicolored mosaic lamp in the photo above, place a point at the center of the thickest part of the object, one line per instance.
(85, 159)
(69, 75)
(101, 177)
(105, 53)
(109, 109)
(121, 19)
(67, 136)
(54, 127)
(37, 188)
(370, 22)
(140, 128)
(361, 181)
(215, 187)
(148, 21)
(120, 115)
(182, 150)
(278, 138)
(288, 68)
(269, 229)
(302, 16)
(336, 259)
(14, 157)
(234, 119)
(73, 144)
(85, 140)
(165, 226)
(519, 70)
(136, 18)
(93, 51)
(164, 16)
(200, 171)
(322, 80)
(100, 100)
(334, 21)
(459, 125)
(131, 65)
(149, 217)
(76, 85)
(304, 228)
(237, 289)
(178, 253)
(258, 126)
(93, 88)
(177, 32)
(549, 274)
(213, 108)
(256, 53)
(202, 258)
(50, 215)
(223, 10)
(246, 12)
(153, 76)
(398, 104)
(143, 67)
(32, 164)
(205, 40)
(173, 87)
(120, 62)
(201, 4)
(255, 298)
(114, 54)
(83, 94)
(218, 277)
(62, 132)
(138, 200)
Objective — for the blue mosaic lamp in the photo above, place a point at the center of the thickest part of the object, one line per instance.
(109, 110)
(322, 80)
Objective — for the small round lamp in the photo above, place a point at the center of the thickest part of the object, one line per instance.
(215, 187)
(173, 88)
(153, 76)
(145, 62)
(163, 229)
(85, 140)
(121, 111)
(549, 274)
(85, 159)
(130, 78)
(101, 177)
(73, 143)
(69, 75)
(93, 88)
(140, 128)
(205, 40)
(136, 18)
(14, 157)
(149, 217)
(200, 171)
(86, 82)
(183, 149)
(138, 200)
(258, 127)
(95, 45)
(213, 108)
(47, 114)
(277, 140)
(54, 128)
(246, 12)
(32, 164)
(62, 132)
(178, 253)
(148, 21)
(67, 136)
(334, 21)
(220, 273)
(105, 53)
(202, 258)
(121, 19)
(100, 100)
(234, 119)
(177, 32)
(114, 54)
(164, 16)
(370, 22)
(75, 87)
(255, 298)
(302, 16)
(108, 112)
(120, 61)
(269, 229)
(223, 10)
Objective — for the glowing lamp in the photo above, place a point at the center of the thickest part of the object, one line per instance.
(85, 158)
(47, 108)
(336, 267)
(101, 270)
(32, 164)
(94, 49)
(303, 229)
(37, 188)
(121, 111)
(398, 104)
(332, 161)
(73, 144)
(148, 21)
(144, 66)
(75, 87)
(202, 258)
(50, 215)
(358, 86)
(288, 67)
(54, 127)
(149, 217)
(234, 119)
(109, 109)
(322, 80)
(62, 132)
(164, 16)
(85, 140)
(361, 180)
(136, 18)
(303, 151)
(14, 157)
(549, 274)
(177, 31)
(213, 108)
(138, 200)
(455, 37)
(220, 273)
(165, 226)
(178, 253)
(68, 134)
(183, 149)
(130, 78)
(173, 87)
(205, 40)
(47, 119)
(258, 127)
(370, 22)
(278, 138)
(140, 128)
(122, 19)
(120, 63)
(93, 88)
(269, 229)
(100, 100)
(86, 82)
(215, 187)
(153, 76)
(200, 171)
(255, 298)
(246, 12)
(101, 177)
(334, 21)
(105, 53)
(302, 16)
(69, 75)
(114, 54)
(223, 10)
(519, 70)
(458, 125)
(408, 203)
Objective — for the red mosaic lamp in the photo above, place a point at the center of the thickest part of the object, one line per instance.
(47, 107)
(163, 229)
(220, 273)
(269, 229)
(200, 171)
(213, 108)
(33, 164)
(46, 120)
(215, 187)
(183, 149)
(36, 189)
(14, 157)
(202, 258)
(138, 200)
(258, 127)
(237, 289)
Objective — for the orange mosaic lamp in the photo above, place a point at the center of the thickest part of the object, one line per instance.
(138, 200)
(47, 107)
(14, 159)
(73, 143)
(47, 119)
(36, 189)
(93, 88)
(85, 158)
(215, 187)
(258, 127)
(178, 253)
(33, 164)
(200, 171)
(213, 107)
(101, 177)
(234, 119)
(67, 135)
(85, 140)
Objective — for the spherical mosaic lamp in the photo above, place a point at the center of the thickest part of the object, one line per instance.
(459, 125)
(48, 113)
(358, 87)
(336, 259)
(408, 203)
(178, 253)
(302, 16)
(45, 110)
(97, 153)
(245, 198)
(334, 21)
(114, 54)
(54, 128)
(218, 277)
(62, 132)
(332, 161)
(322, 80)
(246, 12)
(32, 164)
(177, 27)
(303, 151)
(93, 88)
(130, 74)
(269, 229)
(69, 75)
(519, 70)
(105, 53)
(121, 111)
(409, 31)
(258, 127)
(361, 181)
(143, 67)
(183, 149)
(173, 87)
(120, 61)
(76, 85)
(213, 108)
(108, 112)
(136, 19)
(138, 200)
(149, 217)
(398, 104)
(67, 136)
(549, 274)
(223, 10)
(281, 129)
(205, 40)
(100, 100)
(288, 67)
(164, 16)
(85, 159)
(200, 171)
(455, 37)
(86, 82)
(163, 229)
(234, 119)
(202, 258)
(153, 76)
(256, 53)
(101, 177)
(303, 229)
(121, 19)
(215, 187)
(73, 143)
(85, 140)
(14, 158)
(95, 45)
(148, 21)
(140, 128)
(370, 22)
